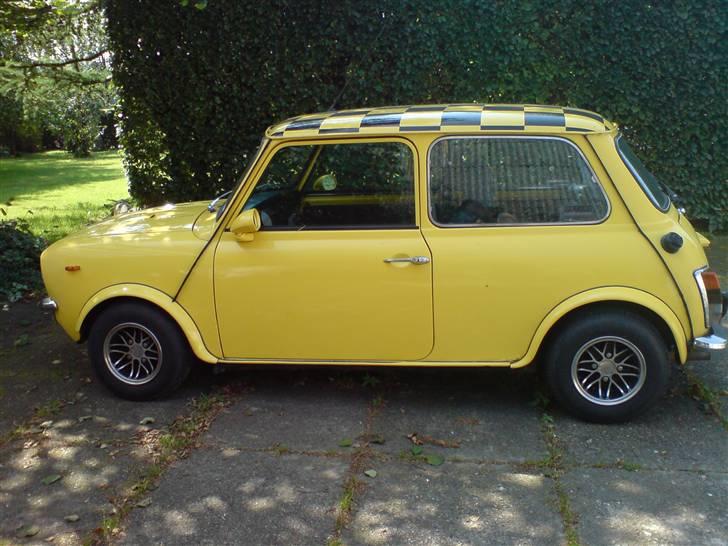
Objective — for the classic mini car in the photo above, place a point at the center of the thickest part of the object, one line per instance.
(439, 235)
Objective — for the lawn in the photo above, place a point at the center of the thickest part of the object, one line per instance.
(58, 193)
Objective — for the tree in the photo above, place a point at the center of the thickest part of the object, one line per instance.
(199, 86)
(54, 70)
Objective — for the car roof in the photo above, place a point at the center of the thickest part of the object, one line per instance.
(444, 118)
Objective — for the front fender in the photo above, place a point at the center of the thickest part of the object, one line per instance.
(607, 294)
(158, 298)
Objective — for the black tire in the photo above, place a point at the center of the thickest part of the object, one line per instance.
(588, 336)
(155, 332)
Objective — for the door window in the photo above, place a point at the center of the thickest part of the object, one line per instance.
(327, 186)
(486, 180)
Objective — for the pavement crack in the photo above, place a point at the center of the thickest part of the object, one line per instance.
(699, 391)
(553, 467)
(166, 445)
(353, 485)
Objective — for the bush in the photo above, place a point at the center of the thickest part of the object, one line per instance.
(199, 86)
(19, 260)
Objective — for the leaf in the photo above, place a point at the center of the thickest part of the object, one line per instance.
(53, 478)
(184, 3)
(25, 531)
(371, 473)
(346, 442)
(202, 4)
(435, 460)
(22, 340)
(72, 518)
(147, 421)
(417, 450)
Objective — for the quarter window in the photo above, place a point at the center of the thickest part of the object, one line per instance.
(364, 185)
(485, 180)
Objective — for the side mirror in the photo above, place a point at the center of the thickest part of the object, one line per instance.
(245, 225)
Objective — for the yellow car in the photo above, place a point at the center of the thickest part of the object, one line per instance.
(435, 235)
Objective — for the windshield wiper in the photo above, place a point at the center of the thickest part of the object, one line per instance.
(213, 204)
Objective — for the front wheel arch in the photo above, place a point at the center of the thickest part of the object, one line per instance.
(146, 296)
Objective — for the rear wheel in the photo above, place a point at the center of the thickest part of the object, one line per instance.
(138, 351)
(607, 367)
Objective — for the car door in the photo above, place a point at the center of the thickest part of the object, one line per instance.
(518, 224)
(339, 270)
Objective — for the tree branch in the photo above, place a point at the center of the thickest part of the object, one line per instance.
(59, 64)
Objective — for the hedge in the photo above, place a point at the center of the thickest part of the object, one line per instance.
(199, 83)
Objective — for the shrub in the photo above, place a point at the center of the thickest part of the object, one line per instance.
(198, 86)
(19, 260)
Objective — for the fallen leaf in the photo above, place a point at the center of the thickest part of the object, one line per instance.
(417, 450)
(25, 531)
(144, 502)
(72, 518)
(346, 442)
(413, 438)
(371, 473)
(147, 421)
(53, 478)
(22, 340)
(421, 439)
(435, 460)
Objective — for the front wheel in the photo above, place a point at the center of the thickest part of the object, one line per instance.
(607, 367)
(138, 351)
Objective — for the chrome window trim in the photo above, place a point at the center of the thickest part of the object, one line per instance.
(698, 276)
(342, 140)
(524, 224)
(638, 178)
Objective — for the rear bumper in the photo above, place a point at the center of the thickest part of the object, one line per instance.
(710, 342)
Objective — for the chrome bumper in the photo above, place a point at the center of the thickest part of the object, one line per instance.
(49, 304)
(711, 342)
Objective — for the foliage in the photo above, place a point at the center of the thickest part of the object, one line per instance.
(199, 86)
(19, 259)
(56, 193)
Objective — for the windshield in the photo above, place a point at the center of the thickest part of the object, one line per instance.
(654, 189)
(256, 155)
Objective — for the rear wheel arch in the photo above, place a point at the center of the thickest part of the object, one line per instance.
(649, 307)
(610, 306)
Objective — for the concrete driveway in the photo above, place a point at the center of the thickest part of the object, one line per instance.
(346, 456)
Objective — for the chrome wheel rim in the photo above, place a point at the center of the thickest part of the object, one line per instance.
(608, 370)
(132, 353)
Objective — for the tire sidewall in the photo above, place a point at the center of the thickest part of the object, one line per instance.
(578, 333)
(175, 356)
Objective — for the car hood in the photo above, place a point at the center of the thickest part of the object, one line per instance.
(166, 218)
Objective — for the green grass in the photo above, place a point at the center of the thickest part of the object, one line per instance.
(58, 193)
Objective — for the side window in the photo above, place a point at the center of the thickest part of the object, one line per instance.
(512, 181)
(325, 186)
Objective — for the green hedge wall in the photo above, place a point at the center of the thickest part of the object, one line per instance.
(199, 86)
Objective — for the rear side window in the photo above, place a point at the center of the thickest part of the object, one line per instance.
(497, 180)
(329, 186)
(647, 181)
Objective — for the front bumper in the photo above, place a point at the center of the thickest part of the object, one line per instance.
(49, 304)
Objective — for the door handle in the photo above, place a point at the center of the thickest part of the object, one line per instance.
(417, 260)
